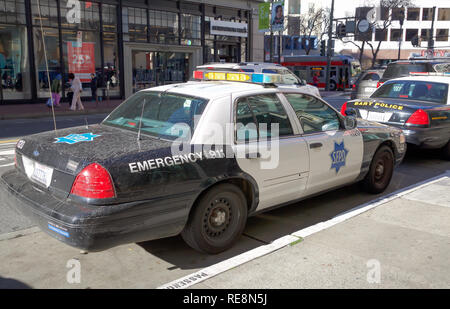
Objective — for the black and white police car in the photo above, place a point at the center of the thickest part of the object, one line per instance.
(196, 158)
(417, 104)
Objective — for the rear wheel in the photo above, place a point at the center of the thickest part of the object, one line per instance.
(217, 220)
(380, 172)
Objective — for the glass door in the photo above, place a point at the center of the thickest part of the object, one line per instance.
(151, 68)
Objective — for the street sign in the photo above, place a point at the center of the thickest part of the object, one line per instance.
(363, 25)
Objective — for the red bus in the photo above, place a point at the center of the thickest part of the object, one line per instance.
(343, 69)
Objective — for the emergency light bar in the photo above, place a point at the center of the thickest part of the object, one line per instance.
(260, 78)
(429, 74)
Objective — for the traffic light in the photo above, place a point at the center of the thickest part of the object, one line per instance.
(341, 31)
(322, 48)
(415, 41)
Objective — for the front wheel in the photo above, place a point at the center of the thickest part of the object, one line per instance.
(380, 172)
(217, 220)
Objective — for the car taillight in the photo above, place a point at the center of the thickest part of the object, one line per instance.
(15, 158)
(343, 109)
(93, 181)
(419, 117)
(379, 84)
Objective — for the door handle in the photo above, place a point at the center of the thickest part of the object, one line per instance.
(254, 155)
(315, 145)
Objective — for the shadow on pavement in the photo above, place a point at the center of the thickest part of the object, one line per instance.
(266, 227)
(7, 283)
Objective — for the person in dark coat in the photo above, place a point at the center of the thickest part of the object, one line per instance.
(94, 88)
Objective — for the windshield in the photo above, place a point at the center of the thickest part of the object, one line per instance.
(413, 90)
(164, 115)
(403, 69)
(356, 68)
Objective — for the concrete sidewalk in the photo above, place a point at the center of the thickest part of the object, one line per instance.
(40, 110)
(403, 242)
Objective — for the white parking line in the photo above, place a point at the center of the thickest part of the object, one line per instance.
(279, 243)
(9, 152)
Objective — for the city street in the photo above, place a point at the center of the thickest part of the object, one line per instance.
(155, 263)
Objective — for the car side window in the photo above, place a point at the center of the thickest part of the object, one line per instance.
(314, 115)
(257, 116)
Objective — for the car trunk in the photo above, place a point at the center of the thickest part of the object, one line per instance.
(388, 111)
(52, 160)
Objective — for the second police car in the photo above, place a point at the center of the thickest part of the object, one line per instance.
(417, 104)
(196, 158)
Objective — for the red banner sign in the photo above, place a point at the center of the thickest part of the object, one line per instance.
(81, 60)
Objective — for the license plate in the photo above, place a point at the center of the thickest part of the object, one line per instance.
(370, 89)
(38, 172)
(379, 117)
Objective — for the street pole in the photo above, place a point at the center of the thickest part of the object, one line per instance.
(271, 33)
(330, 40)
(280, 41)
(401, 20)
(430, 37)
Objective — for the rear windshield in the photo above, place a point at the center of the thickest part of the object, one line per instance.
(164, 115)
(413, 90)
(400, 69)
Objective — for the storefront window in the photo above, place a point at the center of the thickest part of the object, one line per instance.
(48, 13)
(134, 24)
(209, 45)
(14, 68)
(163, 27)
(109, 17)
(111, 60)
(190, 29)
(88, 18)
(12, 12)
(51, 39)
(81, 56)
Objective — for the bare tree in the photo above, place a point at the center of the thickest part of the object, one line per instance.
(314, 24)
(388, 6)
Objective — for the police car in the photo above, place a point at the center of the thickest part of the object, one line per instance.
(287, 78)
(196, 158)
(418, 104)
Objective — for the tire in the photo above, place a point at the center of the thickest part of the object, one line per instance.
(333, 85)
(380, 172)
(217, 220)
(446, 151)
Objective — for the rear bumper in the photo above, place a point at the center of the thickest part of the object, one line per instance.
(93, 228)
(426, 138)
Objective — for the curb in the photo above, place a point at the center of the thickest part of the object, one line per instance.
(19, 233)
(61, 113)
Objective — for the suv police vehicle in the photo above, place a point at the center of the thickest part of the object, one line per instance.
(196, 158)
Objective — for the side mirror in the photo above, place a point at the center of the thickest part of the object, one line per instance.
(350, 122)
(351, 112)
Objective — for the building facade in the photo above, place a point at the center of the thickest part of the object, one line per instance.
(417, 23)
(129, 45)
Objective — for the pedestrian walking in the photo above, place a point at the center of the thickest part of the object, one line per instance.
(316, 80)
(77, 89)
(94, 85)
(56, 89)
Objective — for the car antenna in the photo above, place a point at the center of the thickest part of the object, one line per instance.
(140, 122)
(46, 65)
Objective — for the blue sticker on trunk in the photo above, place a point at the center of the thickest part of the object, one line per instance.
(76, 138)
(338, 156)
